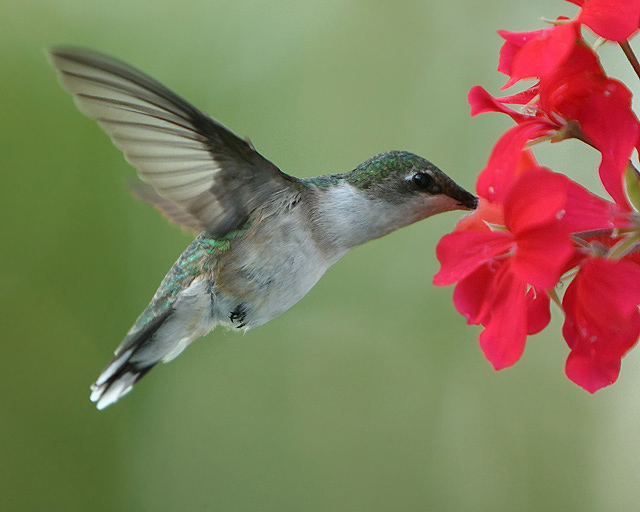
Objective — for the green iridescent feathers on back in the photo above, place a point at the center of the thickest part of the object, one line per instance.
(195, 261)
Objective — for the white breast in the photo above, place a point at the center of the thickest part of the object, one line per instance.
(271, 269)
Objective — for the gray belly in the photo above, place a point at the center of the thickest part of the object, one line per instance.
(267, 272)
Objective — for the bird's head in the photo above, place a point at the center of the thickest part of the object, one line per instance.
(411, 184)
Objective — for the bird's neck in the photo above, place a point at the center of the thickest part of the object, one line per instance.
(346, 216)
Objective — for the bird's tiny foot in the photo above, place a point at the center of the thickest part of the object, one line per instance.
(238, 316)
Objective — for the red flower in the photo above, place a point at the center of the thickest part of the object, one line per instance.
(493, 296)
(534, 236)
(615, 20)
(575, 99)
(580, 91)
(502, 274)
(514, 247)
(534, 227)
(602, 321)
(534, 54)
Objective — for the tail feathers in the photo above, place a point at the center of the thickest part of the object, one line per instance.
(118, 379)
(133, 360)
(177, 315)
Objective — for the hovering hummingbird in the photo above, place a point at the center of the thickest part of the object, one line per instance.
(265, 237)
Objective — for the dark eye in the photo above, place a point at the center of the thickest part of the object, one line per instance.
(426, 182)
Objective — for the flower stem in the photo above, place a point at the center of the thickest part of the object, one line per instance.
(624, 246)
(614, 233)
(630, 56)
(553, 295)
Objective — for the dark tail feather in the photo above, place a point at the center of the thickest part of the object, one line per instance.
(121, 374)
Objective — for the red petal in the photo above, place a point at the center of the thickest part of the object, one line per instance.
(541, 256)
(498, 176)
(580, 91)
(538, 316)
(470, 293)
(545, 53)
(565, 89)
(461, 252)
(615, 20)
(601, 299)
(613, 284)
(536, 198)
(504, 337)
(587, 212)
(608, 121)
(590, 370)
(601, 320)
(481, 102)
(514, 41)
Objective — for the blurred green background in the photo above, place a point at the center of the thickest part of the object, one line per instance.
(371, 394)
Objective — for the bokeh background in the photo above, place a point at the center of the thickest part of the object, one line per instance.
(371, 394)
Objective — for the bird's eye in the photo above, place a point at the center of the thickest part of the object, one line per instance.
(426, 182)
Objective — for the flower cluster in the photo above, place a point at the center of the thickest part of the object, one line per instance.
(535, 230)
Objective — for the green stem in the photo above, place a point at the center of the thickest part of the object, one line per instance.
(631, 56)
(553, 295)
(624, 246)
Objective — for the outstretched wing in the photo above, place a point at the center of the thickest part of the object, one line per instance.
(173, 212)
(188, 157)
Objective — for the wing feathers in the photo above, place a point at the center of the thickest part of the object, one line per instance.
(172, 211)
(131, 129)
(190, 159)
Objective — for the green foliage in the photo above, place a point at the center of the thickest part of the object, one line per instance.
(632, 186)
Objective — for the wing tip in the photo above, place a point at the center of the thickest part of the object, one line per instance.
(58, 52)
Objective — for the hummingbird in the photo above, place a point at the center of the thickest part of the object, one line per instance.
(265, 237)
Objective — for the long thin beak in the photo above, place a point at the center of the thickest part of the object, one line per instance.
(465, 199)
(469, 201)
